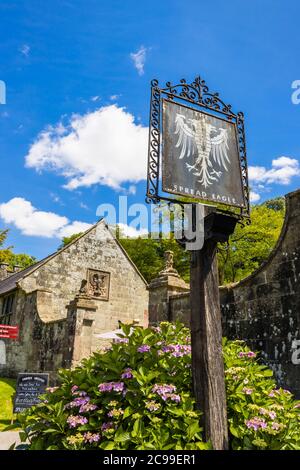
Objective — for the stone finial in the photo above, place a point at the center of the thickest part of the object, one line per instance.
(3, 271)
(3, 265)
(169, 269)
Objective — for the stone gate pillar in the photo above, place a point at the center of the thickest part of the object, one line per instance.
(167, 283)
(79, 331)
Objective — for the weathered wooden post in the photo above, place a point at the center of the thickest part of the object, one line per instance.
(206, 330)
(199, 146)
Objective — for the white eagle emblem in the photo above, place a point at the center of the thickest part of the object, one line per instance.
(210, 144)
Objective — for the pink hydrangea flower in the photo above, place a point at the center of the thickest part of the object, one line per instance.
(74, 421)
(247, 391)
(91, 437)
(256, 423)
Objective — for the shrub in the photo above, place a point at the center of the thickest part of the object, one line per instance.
(137, 395)
(260, 415)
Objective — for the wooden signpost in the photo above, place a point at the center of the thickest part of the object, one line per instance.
(199, 143)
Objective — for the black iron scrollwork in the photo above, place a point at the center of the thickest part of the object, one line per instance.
(197, 93)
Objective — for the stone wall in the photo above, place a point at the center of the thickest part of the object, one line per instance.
(264, 309)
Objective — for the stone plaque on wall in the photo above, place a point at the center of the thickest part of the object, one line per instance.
(98, 284)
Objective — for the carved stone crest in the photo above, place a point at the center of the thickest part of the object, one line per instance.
(98, 284)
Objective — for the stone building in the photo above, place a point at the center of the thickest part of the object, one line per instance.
(62, 303)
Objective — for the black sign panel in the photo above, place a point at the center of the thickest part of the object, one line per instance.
(29, 388)
(200, 156)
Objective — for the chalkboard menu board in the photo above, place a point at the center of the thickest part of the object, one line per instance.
(29, 388)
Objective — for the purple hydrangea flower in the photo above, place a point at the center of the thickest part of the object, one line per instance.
(256, 423)
(75, 391)
(87, 407)
(174, 397)
(166, 392)
(111, 386)
(107, 426)
(77, 402)
(144, 348)
(176, 350)
(127, 374)
(246, 354)
(122, 340)
(74, 421)
(91, 437)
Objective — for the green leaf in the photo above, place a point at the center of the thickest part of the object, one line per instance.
(121, 435)
(108, 445)
(234, 431)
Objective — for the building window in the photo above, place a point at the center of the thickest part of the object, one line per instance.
(7, 309)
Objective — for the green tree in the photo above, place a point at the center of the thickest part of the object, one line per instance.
(250, 245)
(66, 240)
(148, 255)
(12, 259)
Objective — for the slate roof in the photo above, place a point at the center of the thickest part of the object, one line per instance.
(10, 283)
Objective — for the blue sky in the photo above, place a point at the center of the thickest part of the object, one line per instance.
(73, 130)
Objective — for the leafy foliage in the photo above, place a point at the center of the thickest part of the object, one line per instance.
(260, 415)
(12, 259)
(7, 390)
(148, 256)
(250, 245)
(66, 240)
(137, 395)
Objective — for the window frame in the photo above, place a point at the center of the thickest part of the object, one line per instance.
(7, 309)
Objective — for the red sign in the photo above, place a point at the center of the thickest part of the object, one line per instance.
(10, 332)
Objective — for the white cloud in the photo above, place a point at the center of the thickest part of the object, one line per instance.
(25, 50)
(132, 232)
(105, 146)
(282, 171)
(114, 97)
(254, 197)
(139, 59)
(31, 221)
(95, 98)
(83, 206)
(74, 227)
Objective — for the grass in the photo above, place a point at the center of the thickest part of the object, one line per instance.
(7, 390)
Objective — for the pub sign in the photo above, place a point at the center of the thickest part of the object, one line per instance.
(197, 147)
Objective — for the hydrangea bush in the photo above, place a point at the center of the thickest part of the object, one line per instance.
(137, 395)
(260, 415)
